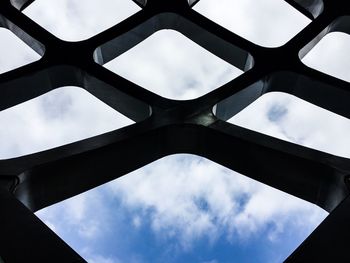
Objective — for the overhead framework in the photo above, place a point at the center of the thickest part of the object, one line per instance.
(164, 126)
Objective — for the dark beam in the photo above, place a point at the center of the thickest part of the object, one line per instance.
(24, 238)
(330, 241)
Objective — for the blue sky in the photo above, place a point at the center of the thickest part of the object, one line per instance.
(181, 208)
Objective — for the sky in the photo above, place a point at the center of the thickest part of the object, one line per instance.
(181, 208)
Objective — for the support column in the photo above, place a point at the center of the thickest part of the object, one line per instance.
(25, 238)
(330, 241)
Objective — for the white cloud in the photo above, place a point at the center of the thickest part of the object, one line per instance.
(91, 257)
(14, 52)
(137, 221)
(169, 64)
(101, 259)
(188, 198)
(329, 55)
(81, 215)
(56, 118)
(74, 20)
(265, 22)
(292, 119)
(183, 199)
(193, 198)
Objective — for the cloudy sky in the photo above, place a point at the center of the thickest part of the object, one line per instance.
(181, 208)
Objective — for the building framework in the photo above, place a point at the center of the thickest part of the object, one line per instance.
(165, 127)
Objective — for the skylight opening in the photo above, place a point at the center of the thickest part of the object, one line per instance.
(173, 66)
(14, 52)
(183, 208)
(330, 56)
(291, 119)
(75, 20)
(269, 23)
(59, 117)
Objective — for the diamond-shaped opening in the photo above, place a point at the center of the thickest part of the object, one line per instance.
(183, 208)
(14, 52)
(59, 117)
(75, 20)
(172, 66)
(289, 118)
(330, 55)
(269, 23)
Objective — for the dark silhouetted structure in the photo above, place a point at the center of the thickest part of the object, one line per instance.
(166, 126)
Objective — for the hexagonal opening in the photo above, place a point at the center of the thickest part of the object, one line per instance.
(74, 20)
(14, 52)
(183, 208)
(59, 117)
(269, 23)
(172, 66)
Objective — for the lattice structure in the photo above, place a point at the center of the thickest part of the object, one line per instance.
(166, 126)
